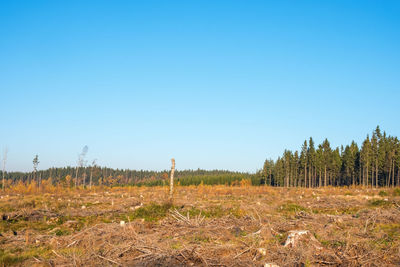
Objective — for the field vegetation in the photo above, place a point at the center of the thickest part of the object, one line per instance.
(205, 225)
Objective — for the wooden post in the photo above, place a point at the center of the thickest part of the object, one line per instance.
(171, 181)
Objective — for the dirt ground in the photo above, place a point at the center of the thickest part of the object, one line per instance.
(205, 226)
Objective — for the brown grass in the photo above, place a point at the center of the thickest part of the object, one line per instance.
(206, 226)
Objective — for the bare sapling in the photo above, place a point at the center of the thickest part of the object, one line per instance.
(171, 181)
(91, 173)
(4, 167)
(81, 163)
(35, 165)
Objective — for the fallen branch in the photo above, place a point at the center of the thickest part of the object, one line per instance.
(58, 255)
(112, 261)
(241, 253)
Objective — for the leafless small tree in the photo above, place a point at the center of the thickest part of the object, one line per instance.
(171, 181)
(5, 152)
(35, 165)
(91, 172)
(84, 177)
(81, 162)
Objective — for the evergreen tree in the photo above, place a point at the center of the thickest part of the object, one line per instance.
(268, 170)
(326, 151)
(319, 163)
(335, 166)
(311, 162)
(303, 160)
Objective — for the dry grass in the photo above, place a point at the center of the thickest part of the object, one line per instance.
(206, 226)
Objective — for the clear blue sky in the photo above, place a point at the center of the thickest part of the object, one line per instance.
(215, 84)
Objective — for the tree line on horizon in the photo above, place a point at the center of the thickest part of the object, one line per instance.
(83, 175)
(67, 177)
(376, 163)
